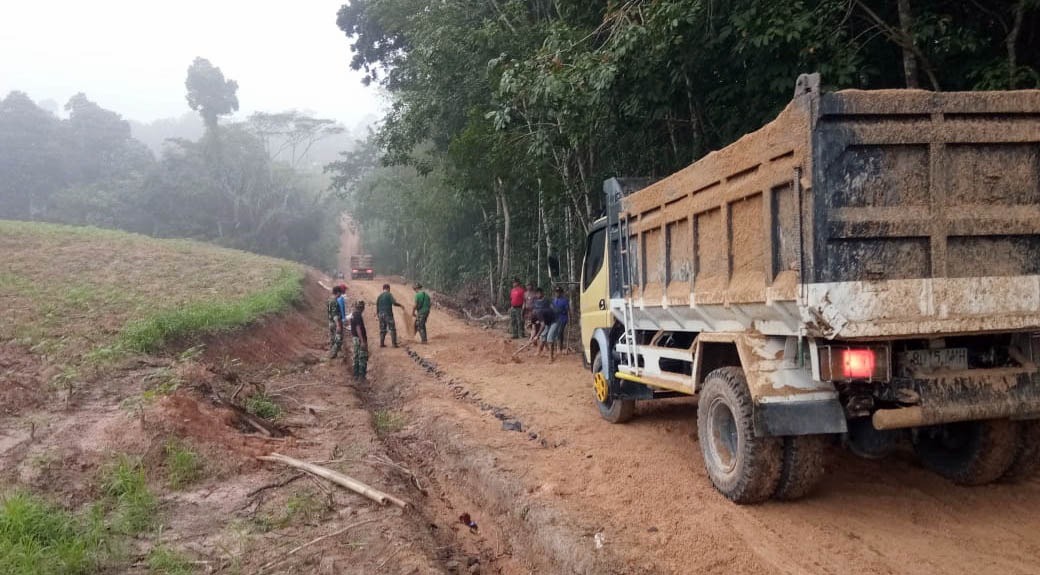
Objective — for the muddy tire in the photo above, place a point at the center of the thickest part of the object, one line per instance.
(743, 466)
(802, 466)
(613, 410)
(1026, 461)
(970, 452)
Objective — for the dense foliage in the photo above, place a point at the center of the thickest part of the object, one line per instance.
(244, 185)
(507, 115)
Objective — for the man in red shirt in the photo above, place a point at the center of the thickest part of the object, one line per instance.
(516, 309)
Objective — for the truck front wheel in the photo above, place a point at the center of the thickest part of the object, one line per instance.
(612, 409)
(969, 452)
(743, 466)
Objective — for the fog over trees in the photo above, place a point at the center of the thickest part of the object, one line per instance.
(249, 184)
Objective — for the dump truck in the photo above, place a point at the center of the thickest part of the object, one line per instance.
(361, 267)
(864, 271)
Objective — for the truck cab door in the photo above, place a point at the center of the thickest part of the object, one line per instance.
(595, 288)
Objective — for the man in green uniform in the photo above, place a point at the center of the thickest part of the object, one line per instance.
(421, 311)
(360, 336)
(337, 315)
(385, 310)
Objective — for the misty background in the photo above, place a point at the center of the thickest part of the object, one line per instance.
(96, 127)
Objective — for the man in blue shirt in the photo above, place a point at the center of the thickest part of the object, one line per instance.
(562, 305)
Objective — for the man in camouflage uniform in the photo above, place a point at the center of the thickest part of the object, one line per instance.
(385, 311)
(360, 337)
(421, 311)
(337, 315)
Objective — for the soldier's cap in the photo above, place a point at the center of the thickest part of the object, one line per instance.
(418, 285)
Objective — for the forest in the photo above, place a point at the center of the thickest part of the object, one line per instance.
(507, 115)
(243, 184)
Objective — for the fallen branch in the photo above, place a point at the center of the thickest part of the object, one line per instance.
(498, 313)
(293, 551)
(337, 478)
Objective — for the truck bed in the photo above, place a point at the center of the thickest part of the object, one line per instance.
(855, 215)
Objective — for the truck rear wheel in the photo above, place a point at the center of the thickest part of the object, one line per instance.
(1027, 452)
(743, 466)
(969, 452)
(802, 469)
(613, 410)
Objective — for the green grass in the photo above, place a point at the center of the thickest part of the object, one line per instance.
(126, 487)
(261, 405)
(386, 422)
(40, 539)
(152, 333)
(300, 506)
(165, 561)
(183, 465)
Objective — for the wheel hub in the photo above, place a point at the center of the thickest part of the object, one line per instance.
(600, 384)
(723, 428)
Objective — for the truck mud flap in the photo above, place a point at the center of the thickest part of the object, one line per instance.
(794, 417)
(966, 397)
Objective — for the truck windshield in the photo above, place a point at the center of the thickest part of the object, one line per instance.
(594, 256)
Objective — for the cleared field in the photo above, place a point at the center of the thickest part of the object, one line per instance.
(85, 294)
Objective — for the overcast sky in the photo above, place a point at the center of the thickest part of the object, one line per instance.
(131, 56)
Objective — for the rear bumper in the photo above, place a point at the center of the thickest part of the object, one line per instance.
(967, 396)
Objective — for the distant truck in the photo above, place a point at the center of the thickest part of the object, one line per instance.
(865, 268)
(361, 267)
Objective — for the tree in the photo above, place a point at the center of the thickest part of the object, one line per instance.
(209, 93)
(517, 110)
(31, 163)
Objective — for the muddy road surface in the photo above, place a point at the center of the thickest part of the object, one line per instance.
(519, 444)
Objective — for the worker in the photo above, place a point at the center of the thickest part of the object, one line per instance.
(336, 319)
(543, 324)
(562, 306)
(529, 296)
(546, 317)
(385, 311)
(516, 309)
(360, 338)
(421, 311)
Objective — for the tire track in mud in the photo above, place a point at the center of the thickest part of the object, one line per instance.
(454, 444)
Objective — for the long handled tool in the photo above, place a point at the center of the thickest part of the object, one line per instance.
(523, 347)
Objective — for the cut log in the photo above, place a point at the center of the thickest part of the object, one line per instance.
(337, 478)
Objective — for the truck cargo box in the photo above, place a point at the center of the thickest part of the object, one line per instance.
(854, 214)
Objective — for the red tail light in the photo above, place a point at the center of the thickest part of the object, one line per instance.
(368, 271)
(848, 363)
(354, 271)
(858, 363)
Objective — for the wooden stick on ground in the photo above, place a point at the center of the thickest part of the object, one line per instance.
(312, 542)
(337, 478)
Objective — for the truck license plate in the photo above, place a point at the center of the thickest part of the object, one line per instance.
(929, 360)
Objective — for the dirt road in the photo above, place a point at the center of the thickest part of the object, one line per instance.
(641, 489)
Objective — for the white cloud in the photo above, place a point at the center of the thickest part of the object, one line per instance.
(132, 56)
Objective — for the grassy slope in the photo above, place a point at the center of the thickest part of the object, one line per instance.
(75, 294)
(79, 296)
